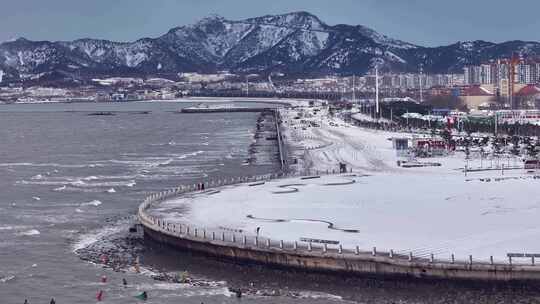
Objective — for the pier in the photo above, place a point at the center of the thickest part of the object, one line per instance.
(225, 110)
(273, 111)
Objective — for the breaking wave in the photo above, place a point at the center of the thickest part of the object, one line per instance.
(77, 183)
(49, 165)
(94, 203)
(7, 279)
(90, 238)
(31, 232)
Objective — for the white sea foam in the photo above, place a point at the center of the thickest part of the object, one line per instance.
(222, 291)
(60, 188)
(94, 203)
(184, 156)
(111, 190)
(187, 290)
(77, 183)
(319, 295)
(82, 189)
(145, 162)
(144, 271)
(88, 239)
(31, 232)
(163, 286)
(36, 198)
(49, 165)
(7, 279)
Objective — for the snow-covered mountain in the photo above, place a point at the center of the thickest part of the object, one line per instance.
(294, 43)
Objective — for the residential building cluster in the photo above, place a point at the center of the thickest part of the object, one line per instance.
(416, 80)
(512, 81)
(475, 91)
(526, 71)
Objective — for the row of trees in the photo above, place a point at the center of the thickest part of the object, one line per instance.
(470, 126)
(512, 145)
(509, 141)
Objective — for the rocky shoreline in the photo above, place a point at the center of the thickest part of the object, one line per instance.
(119, 252)
(123, 248)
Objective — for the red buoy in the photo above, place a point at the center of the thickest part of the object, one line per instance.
(99, 296)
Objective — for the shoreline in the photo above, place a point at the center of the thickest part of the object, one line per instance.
(195, 99)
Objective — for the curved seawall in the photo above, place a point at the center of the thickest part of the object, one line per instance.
(316, 257)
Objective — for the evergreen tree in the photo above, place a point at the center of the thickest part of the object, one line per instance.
(496, 146)
(467, 143)
(515, 146)
(447, 136)
(532, 150)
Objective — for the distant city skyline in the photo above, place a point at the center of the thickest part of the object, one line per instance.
(422, 22)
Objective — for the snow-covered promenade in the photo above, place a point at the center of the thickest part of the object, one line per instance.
(484, 219)
(309, 243)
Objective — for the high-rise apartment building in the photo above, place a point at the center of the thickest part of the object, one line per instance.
(526, 72)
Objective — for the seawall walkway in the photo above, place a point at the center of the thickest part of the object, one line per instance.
(317, 257)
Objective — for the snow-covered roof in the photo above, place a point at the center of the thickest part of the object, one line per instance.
(477, 90)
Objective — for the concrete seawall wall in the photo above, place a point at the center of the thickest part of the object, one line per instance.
(314, 257)
(277, 118)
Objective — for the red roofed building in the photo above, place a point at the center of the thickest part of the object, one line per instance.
(528, 96)
(529, 90)
(476, 96)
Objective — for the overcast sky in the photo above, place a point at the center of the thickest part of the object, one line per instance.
(424, 22)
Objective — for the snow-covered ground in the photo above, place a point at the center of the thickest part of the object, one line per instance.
(332, 141)
(322, 147)
(368, 118)
(439, 210)
(405, 212)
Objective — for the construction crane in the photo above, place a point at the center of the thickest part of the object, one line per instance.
(514, 61)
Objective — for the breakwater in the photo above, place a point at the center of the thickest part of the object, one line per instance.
(224, 110)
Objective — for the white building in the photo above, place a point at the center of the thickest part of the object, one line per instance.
(472, 74)
(526, 72)
(523, 73)
(485, 74)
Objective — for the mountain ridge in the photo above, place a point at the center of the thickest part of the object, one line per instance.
(296, 43)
